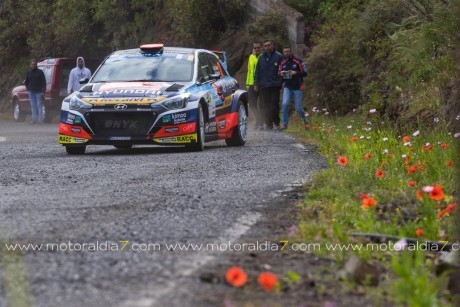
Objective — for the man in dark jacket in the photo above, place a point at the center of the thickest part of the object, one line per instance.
(292, 70)
(36, 85)
(268, 83)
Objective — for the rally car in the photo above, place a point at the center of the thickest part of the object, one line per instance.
(155, 95)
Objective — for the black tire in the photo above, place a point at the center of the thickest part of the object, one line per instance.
(239, 134)
(199, 145)
(129, 146)
(18, 114)
(75, 150)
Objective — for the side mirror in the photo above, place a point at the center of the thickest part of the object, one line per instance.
(84, 80)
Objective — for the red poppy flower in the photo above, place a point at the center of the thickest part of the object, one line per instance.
(406, 139)
(368, 202)
(354, 139)
(419, 194)
(379, 173)
(419, 232)
(236, 276)
(267, 280)
(447, 210)
(426, 148)
(411, 170)
(444, 145)
(363, 196)
(392, 155)
(437, 193)
(342, 161)
(449, 163)
(367, 156)
(412, 183)
(421, 167)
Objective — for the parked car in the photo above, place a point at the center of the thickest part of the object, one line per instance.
(57, 72)
(156, 95)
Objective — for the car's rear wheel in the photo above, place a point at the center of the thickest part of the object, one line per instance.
(239, 134)
(75, 150)
(129, 146)
(199, 145)
(18, 114)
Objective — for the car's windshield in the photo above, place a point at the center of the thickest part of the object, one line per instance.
(129, 68)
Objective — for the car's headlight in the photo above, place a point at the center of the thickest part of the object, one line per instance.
(179, 102)
(77, 104)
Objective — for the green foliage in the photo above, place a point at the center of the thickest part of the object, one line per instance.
(199, 23)
(271, 25)
(392, 55)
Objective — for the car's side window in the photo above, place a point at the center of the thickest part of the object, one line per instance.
(215, 65)
(204, 70)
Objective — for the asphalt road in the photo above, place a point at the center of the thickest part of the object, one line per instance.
(147, 195)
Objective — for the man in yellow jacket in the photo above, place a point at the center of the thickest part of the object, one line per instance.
(254, 104)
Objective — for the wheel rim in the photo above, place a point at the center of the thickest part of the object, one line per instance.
(16, 111)
(201, 128)
(242, 122)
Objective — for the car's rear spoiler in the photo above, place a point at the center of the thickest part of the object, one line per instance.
(222, 57)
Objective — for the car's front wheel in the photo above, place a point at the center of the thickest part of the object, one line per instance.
(18, 114)
(199, 145)
(75, 150)
(239, 134)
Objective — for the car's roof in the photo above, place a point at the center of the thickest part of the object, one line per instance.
(180, 50)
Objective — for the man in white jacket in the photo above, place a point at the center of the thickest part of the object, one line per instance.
(76, 74)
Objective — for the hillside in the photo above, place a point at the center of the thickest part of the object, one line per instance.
(395, 56)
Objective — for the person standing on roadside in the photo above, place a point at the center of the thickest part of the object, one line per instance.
(36, 85)
(268, 83)
(292, 70)
(77, 73)
(254, 102)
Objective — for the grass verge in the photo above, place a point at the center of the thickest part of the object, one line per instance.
(382, 183)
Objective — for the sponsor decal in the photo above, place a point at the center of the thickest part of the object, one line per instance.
(181, 139)
(123, 100)
(222, 124)
(120, 106)
(140, 109)
(166, 118)
(70, 118)
(96, 110)
(179, 118)
(121, 124)
(68, 130)
(176, 118)
(171, 129)
(79, 140)
(75, 130)
(142, 92)
(66, 139)
(210, 127)
(119, 138)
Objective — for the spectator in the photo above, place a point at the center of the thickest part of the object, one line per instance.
(36, 85)
(292, 70)
(268, 83)
(254, 102)
(77, 73)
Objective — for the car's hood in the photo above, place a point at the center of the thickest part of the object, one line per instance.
(129, 92)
